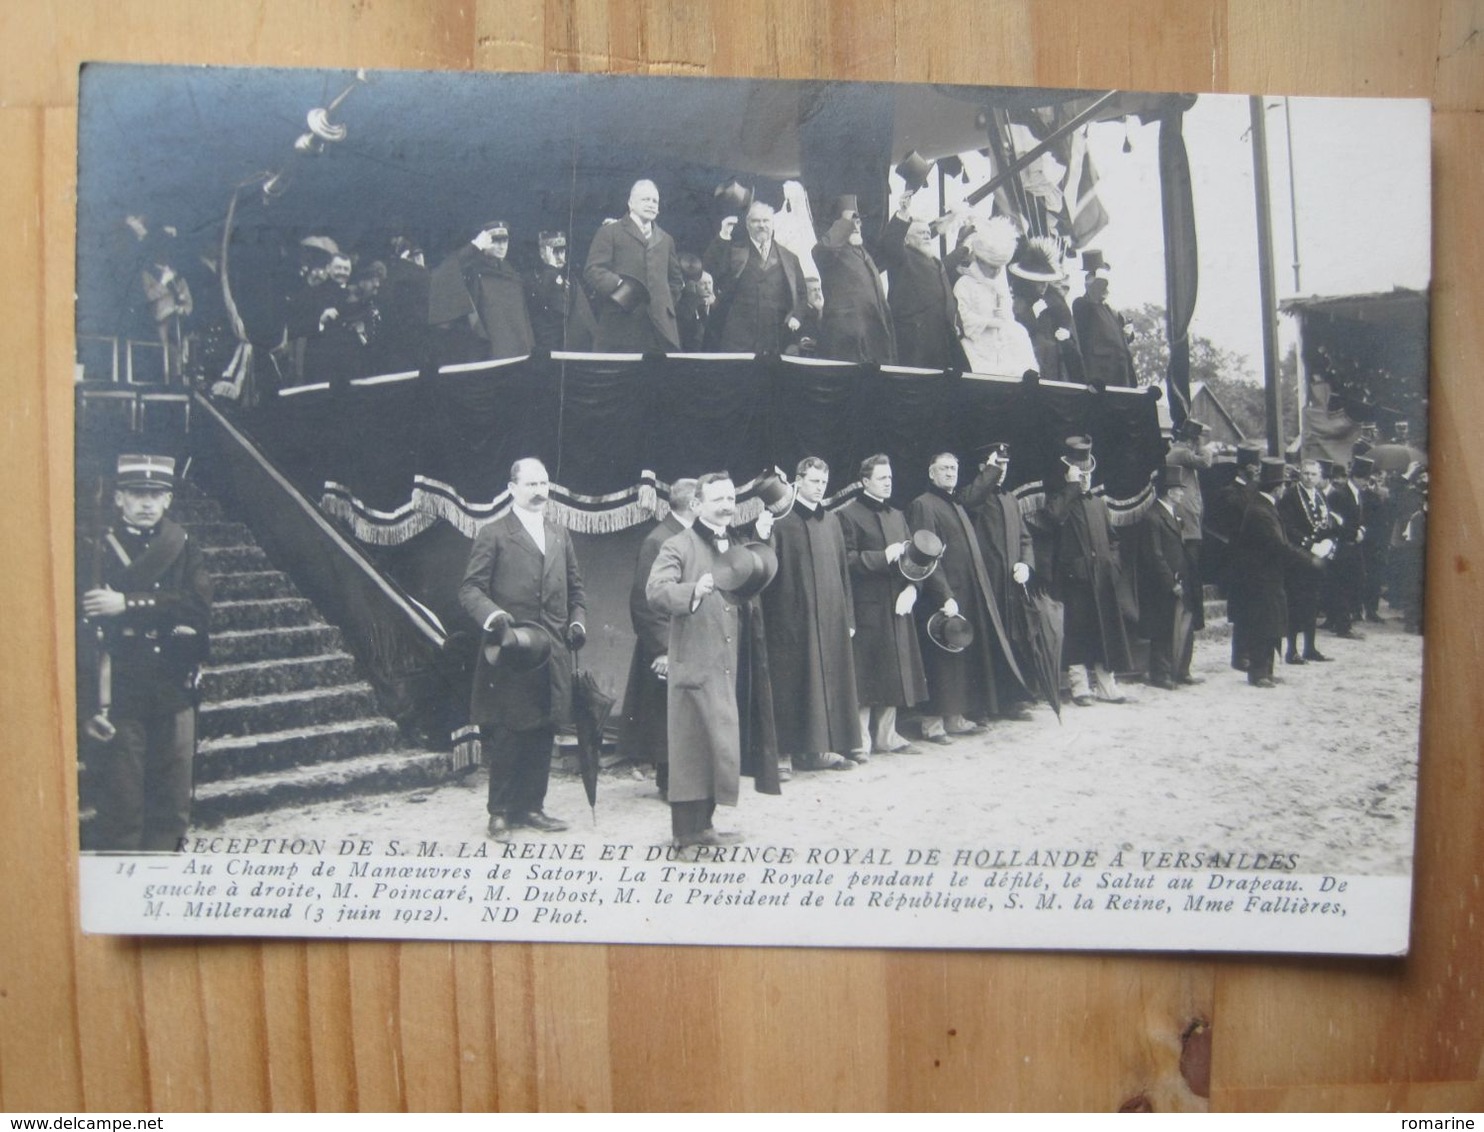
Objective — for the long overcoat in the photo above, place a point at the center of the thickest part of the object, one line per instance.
(754, 299)
(508, 572)
(645, 724)
(1004, 540)
(1084, 576)
(809, 617)
(1106, 356)
(888, 659)
(1265, 554)
(468, 282)
(717, 660)
(619, 251)
(1305, 522)
(924, 312)
(961, 683)
(1162, 563)
(855, 325)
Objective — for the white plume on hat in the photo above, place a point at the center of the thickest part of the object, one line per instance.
(993, 242)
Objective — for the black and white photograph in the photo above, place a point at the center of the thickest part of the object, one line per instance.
(753, 512)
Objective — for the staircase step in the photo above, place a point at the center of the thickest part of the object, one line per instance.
(267, 644)
(231, 559)
(195, 509)
(262, 613)
(276, 674)
(252, 584)
(236, 755)
(218, 533)
(216, 801)
(1215, 610)
(257, 715)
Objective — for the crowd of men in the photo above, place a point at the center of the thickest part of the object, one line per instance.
(996, 302)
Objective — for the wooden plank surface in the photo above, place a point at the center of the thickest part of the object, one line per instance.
(118, 1024)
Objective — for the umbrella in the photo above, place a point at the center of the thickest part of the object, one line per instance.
(1035, 638)
(591, 707)
(1395, 457)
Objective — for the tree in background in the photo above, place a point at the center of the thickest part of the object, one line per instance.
(1226, 373)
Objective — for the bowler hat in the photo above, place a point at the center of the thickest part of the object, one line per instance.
(951, 634)
(914, 170)
(924, 551)
(156, 472)
(522, 647)
(629, 294)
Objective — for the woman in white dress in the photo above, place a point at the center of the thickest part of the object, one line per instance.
(993, 340)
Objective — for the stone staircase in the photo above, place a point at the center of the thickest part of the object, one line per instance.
(285, 717)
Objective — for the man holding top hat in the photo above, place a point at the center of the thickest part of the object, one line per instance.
(148, 605)
(706, 581)
(478, 299)
(635, 274)
(1084, 578)
(811, 620)
(923, 310)
(1263, 555)
(1167, 590)
(760, 289)
(962, 688)
(888, 566)
(855, 325)
(524, 590)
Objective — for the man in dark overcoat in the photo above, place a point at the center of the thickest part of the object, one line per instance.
(1009, 556)
(961, 686)
(148, 606)
(888, 661)
(639, 317)
(761, 299)
(1166, 587)
(924, 312)
(1265, 554)
(1036, 283)
(720, 702)
(561, 318)
(855, 325)
(810, 620)
(643, 735)
(1306, 522)
(1228, 504)
(1102, 332)
(523, 572)
(1084, 574)
(1346, 581)
(477, 301)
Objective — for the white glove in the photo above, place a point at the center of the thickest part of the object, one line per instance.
(764, 524)
(1038, 308)
(1021, 573)
(906, 600)
(950, 607)
(483, 240)
(1322, 549)
(894, 551)
(728, 226)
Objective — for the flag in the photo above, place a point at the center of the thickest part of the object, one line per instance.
(1083, 213)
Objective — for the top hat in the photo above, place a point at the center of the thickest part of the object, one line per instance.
(1093, 261)
(522, 647)
(629, 294)
(157, 472)
(1190, 428)
(496, 228)
(951, 634)
(1036, 261)
(914, 170)
(1362, 466)
(745, 570)
(776, 493)
(924, 551)
(734, 196)
(1078, 453)
(552, 239)
(1272, 472)
(1325, 467)
(840, 205)
(1174, 475)
(1291, 473)
(1248, 454)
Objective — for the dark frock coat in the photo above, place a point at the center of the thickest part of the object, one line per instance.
(1162, 563)
(1106, 356)
(855, 325)
(1004, 540)
(753, 299)
(888, 659)
(620, 251)
(961, 683)
(643, 734)
(1304, 524)
(508, 572)
(809, 616)
(1084, 577)
(717, 659)
(494, 292)
(1265, 554)
(924, 312)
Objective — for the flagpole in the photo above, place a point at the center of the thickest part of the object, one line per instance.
(1266, 282)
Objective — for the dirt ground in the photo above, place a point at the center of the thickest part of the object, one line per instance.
(1324, 766)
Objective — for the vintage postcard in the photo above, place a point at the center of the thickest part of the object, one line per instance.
(580, 508)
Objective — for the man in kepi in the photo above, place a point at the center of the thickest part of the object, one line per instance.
(148, 606)
(720, 706)
(479, 300)
(524, 590)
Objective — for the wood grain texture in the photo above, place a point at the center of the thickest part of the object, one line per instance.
(118, 1024)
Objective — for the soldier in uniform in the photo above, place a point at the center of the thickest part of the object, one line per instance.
(561, 318)
(148, 602)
